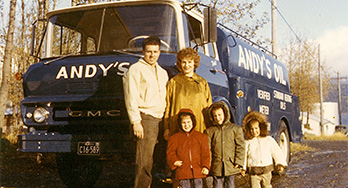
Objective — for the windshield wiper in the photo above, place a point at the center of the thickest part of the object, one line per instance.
(127, 53)
(59, 58)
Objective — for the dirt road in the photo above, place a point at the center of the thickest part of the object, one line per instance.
(325, 167)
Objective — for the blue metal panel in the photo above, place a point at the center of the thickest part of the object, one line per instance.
(41, 141)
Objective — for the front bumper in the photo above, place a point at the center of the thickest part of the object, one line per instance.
(43, 141)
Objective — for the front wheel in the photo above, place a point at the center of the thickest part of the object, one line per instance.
(78, 171)
(283, 140)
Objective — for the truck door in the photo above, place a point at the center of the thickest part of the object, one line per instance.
(210, 67)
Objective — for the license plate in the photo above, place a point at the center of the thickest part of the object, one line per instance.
(88, 148)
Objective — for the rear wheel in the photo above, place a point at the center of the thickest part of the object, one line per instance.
(283, 140)
(78, 171)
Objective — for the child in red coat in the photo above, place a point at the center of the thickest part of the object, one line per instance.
(188, 152)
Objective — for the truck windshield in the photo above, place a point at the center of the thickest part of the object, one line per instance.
(112, 29)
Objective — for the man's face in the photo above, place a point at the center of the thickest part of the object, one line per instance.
(151, 53)
(186, 123)
(219, 116)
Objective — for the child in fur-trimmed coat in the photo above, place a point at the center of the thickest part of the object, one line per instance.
(260, 151)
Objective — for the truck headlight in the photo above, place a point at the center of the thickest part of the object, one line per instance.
(40, 115)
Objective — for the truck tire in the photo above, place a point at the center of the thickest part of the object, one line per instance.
(283, 142)
(78, 171)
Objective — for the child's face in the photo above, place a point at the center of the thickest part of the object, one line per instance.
(219, 116)
(186, 123)
(255, 128)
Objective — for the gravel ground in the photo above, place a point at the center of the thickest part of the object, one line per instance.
(325, 167)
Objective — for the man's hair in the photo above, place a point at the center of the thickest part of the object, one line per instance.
(152, 40)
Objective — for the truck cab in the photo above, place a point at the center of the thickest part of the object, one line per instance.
(73, 101)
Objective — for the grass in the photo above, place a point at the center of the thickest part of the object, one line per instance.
(335, 137)
(297, 147)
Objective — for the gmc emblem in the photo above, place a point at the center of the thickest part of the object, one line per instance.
(98, 113)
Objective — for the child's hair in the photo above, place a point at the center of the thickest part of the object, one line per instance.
(186, 112)
(187, 53)
(255, 116)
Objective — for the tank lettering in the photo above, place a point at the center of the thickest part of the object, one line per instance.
(77, 72)
(279, 74)
(242, 59)
(123, 68)
(258, 64)
(282, 105)
(283, 99)
(278, 95)
(264, 109)
(62, 73)
(265, 95)
(288, 98)
(91, 70)
(105, 70)
(249, 59)
(261, 60)
(269, 70)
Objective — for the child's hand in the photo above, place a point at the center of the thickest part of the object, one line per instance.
(243, 172)
(205, 171)
(280, 168)
(237, 166)
(177, 163)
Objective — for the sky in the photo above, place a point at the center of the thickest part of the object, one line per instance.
(323, 21)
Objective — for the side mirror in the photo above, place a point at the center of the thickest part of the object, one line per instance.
(37, 35)
(210, 26)
(33, 40)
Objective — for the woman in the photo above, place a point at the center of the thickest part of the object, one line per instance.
(186, 90)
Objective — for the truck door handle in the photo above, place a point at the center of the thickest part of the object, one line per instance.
(213, 70)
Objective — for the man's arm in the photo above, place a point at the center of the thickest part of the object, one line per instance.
(131, 95)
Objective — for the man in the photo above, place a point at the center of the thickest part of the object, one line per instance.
(145, 92)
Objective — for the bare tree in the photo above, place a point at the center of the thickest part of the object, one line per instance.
(302, 64)
(240, 16)
(4, 85)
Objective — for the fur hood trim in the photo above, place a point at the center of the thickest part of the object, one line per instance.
(263, 123)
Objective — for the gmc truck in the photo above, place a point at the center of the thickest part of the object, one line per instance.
(73, 102)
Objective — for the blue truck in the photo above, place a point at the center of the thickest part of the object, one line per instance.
(73, 101)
